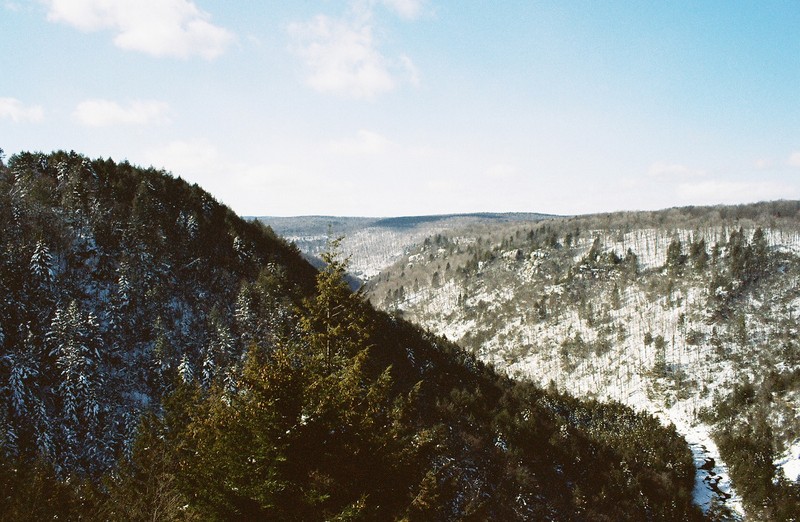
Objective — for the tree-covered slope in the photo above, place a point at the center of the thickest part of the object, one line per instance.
(110, 282)
(687, 313)
(161, 358)
(373, 244)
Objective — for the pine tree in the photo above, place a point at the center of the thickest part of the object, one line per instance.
(759, 259)
(675, 257)
(185, 370)
(245, 316)
(42, 264)
(73, 338)
(160, 359)
(334, 320)
(698, 254)
(23, 372)
(309, 431)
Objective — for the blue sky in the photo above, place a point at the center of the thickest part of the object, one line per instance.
(400, 107)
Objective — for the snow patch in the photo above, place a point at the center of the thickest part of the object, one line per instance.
(789, 462)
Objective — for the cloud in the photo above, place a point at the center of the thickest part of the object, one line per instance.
(16, 111)
(763, 164)
(408, 9)
(729, 192)
(342, 57)
(254, 188)
(176, 28)
(441, 186)
(411, 70)
(674, 172)
(182, 157)
(794, 159)
(103, 113)
(365, 143)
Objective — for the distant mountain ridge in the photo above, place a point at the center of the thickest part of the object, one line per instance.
(374, 243)
(290, 225)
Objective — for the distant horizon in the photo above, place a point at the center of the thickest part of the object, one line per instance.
(478, 213)
(417, 107)
(448, 214)
(501, 213)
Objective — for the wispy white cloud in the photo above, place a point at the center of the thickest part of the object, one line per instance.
(763, 164)
(342, 55)
(408, 9)
(411, 70)
(254, 188)
(182, 157)
(441, 186)
(673, 171)
(794, 159)
(18, 112)
(103, 113)
(176, 28)
(364, 143)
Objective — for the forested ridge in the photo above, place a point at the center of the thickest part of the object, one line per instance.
(162, 359)
(690, 313)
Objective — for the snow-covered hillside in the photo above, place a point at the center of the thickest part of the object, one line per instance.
(373, 244)
(666, 319)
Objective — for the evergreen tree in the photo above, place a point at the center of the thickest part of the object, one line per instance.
(698, 254)
(42, 265)
(26, 422)
(73, 338)
(759, 261)
(310, 433)
(334, 320)
(185, 370)
(675, 257)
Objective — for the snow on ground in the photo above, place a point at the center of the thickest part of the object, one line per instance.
(712, 480)
(623, 374)
(374, 248)
(608, 352)
(789, 462)
(783, 240)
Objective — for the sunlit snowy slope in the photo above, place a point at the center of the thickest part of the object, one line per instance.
(668, 312)
(673, 312)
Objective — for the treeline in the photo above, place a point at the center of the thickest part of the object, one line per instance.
(773, 214)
